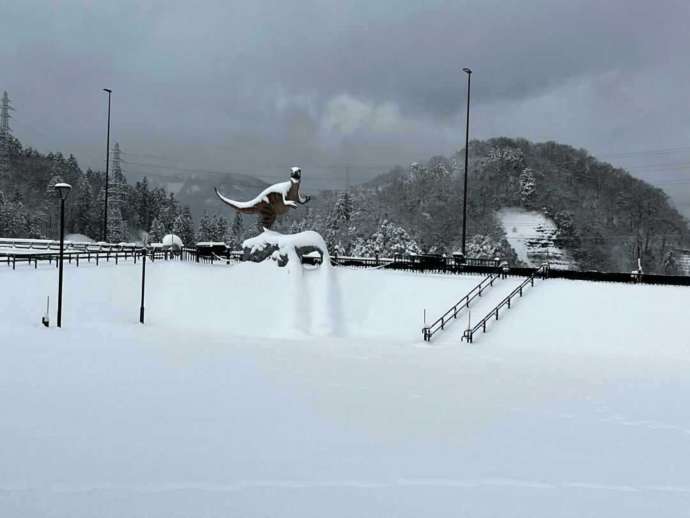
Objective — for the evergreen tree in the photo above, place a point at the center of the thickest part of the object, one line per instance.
(206, 228)
(297, 226)
(183, 227)
(388, 241)
(82, 201)
(338, 231)
(156, 232)
(219, 228)
(236, 234)
(117, 227)
(527, 187)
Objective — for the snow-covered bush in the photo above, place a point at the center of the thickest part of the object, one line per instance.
(389, 240)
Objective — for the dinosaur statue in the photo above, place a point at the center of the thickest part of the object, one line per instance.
(272, 201)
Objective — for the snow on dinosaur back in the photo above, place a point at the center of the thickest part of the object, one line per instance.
(272, 201)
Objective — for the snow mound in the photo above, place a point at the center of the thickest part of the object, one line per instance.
(532, 236)
(172, 241)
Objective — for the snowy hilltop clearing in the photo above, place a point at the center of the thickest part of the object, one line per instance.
(248, 395)
(532, 236)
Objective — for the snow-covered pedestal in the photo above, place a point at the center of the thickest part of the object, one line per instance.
(285, 248)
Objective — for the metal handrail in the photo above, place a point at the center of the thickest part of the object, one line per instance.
(429, 331)
(542, 272)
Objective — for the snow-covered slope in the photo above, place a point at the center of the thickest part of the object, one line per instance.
(531, 234)
(573, 404)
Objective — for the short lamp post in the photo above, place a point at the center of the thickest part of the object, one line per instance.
(143, 283)
(63, 190)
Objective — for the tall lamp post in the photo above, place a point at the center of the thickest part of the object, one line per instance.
(107, 164)
(63, 190)
(467, 142)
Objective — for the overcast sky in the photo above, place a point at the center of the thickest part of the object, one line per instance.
(257, 86)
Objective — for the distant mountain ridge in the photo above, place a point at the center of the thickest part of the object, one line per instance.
(197, 192)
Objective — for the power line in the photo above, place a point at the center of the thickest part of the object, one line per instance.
(647, 152)
(278, 171)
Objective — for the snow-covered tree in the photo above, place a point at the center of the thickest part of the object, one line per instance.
(527, 187)
(157, 231)
(219, 229)
(297, 226)
(388, 241)
(206, 228)
(235, 235)
(117, 227)
(483, 246)
(183, 226)
(671, 263)
(338, 228)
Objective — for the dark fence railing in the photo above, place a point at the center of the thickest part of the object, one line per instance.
(452, 313)
(421, 262)
(13, 251)
(541, 272)
(456, 265)
(210, 255)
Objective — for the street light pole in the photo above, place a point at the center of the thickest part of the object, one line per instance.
(63, 190)
(467, 141)
(143, 284)
(107, 165)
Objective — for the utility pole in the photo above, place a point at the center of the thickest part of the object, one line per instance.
(5, 134)
(107, 165)
(467, 142)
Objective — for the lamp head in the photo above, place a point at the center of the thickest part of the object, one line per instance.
(467, 70)
(108, 90)
(63, 189)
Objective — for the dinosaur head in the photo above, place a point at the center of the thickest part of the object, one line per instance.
(296, 173)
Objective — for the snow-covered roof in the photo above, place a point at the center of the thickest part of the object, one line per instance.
(211, 243)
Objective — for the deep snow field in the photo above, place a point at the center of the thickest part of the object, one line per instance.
(252, 393)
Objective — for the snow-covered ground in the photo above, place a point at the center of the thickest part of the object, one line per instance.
(236, 398)
(531, 234)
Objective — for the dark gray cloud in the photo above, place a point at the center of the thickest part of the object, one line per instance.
(255, 86)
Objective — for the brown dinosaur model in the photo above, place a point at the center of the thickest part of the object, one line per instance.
(272, 201)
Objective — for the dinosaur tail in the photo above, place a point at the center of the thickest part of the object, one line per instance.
(239, 206)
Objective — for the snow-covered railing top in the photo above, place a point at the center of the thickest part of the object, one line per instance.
(49, 244)
(430, 330)
(542, 271)
(211, 243)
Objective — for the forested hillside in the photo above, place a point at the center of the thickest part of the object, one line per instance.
(605, 218)
(29, 206)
